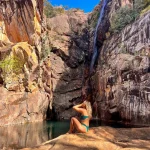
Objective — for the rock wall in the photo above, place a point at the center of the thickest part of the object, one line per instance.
(121, 83)
(68, 36)
(37, 78)
(45, 64)
(21, 19)
(22, 94)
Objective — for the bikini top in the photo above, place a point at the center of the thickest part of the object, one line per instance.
(84, 117)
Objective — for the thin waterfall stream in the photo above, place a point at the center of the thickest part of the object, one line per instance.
(95, 48)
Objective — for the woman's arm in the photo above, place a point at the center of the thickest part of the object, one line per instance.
(79, 108)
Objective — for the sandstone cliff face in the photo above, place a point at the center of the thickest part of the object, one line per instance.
(22, 96)
(33, 80)
(121, 82)
(68, 37)
(20, 19)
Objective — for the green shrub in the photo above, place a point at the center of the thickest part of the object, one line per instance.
(59, 10)
(48, 9)
(51, 11)
(126, 15)
(46, 52)
(94, 19)
(123, 16)
(146, 2)
(139, 5)
(46, 47)
(11, 65)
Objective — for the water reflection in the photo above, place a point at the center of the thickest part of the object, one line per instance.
(31, 134)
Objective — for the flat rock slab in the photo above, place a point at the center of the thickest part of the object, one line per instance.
(101, 138)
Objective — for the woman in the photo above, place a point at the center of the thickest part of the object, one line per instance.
(81, 126)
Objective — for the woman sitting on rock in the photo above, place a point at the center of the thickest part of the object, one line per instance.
(81, 126)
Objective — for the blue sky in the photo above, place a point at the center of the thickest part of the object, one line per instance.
(86, 5)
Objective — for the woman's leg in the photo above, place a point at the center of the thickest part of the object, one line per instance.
(75, 124)
(71, 126)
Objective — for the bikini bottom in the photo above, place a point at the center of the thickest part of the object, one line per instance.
(87, 127)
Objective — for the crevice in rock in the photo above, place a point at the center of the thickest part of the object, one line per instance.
(1, 79)
(60, 54)
(66, 59)
(73, 90)
(48, 113)
(76, 99)
(115, 116)
(51, 114)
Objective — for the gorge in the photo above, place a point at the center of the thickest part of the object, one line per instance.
(49, 64)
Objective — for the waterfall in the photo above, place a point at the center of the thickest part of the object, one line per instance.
(95, 50)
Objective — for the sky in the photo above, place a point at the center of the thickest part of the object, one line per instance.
(86, 5)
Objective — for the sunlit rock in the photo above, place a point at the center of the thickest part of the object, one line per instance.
(126, 3)
(20, 50)
(100, 138)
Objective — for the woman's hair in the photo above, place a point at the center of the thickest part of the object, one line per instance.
(89, 109)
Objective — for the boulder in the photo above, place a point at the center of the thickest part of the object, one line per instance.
(22, 107)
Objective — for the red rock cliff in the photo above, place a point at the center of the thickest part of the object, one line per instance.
(121, 83)
(22, 95)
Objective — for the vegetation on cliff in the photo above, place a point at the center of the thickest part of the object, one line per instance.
(126, 15)
(51, 11)
(46, 46)
(94, 18)
(11, 64)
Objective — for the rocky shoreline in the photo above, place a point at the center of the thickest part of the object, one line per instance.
(101, 138)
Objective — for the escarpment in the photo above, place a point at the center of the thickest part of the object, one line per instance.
(22, 95)
(68, 37)
(120, 82)
(48, 64)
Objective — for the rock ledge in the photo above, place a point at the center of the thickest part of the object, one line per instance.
(101, 138)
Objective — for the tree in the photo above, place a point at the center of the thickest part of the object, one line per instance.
(48, 9)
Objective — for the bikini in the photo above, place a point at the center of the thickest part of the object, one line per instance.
(83, 118)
